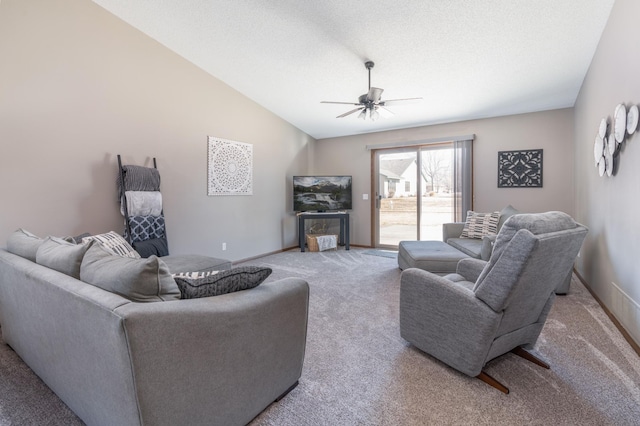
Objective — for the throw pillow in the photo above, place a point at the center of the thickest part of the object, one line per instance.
(78, 238)
(24, 244)
(505, 214)
(139, 280)
(213, 283)
(62, 256)
(114, 243)
(478, 225)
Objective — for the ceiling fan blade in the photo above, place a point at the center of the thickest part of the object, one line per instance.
(349, 112)
(385, 113)
(398, 101)
(340, 103)
(374, 94)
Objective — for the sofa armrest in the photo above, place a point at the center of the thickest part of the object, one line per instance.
(217, 360)
(446, 320)
(470, 268)
(451, 230)
(487, 246)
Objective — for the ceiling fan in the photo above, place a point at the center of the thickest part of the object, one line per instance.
(371, 101)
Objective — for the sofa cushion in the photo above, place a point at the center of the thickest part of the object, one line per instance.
(215, 283)
(62, 256)
(478, 225)
(24, 244)
(139, 280)
(460, 280)
(433, 256)
(114, 243)
(469, 246)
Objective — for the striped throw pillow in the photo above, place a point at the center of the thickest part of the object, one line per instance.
(480, 224)
(114, 243)
(194, 275)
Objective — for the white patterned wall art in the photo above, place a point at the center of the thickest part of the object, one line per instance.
(230, 167)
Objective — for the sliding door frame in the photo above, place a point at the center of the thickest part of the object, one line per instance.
(418, 146)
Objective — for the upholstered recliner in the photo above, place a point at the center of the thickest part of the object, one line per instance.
(487, 309)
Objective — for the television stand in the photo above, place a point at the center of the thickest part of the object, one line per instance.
(343, 238)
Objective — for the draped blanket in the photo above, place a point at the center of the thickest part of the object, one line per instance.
(138, 178)
(154, 246)
(139, 188)
(326, 242)
(145, 228)
(142, 203)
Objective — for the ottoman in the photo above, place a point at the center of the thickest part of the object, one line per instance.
(433, 256)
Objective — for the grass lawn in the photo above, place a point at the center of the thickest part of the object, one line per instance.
(398, 218)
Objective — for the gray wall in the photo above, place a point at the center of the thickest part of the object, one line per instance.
(79, 86)
(609, 206)
(550, 130)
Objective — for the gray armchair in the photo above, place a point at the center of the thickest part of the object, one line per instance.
(487, 309)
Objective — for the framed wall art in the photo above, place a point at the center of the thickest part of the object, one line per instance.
(230, 167)
(520, 169)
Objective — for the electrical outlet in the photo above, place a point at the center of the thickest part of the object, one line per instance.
(224, 246)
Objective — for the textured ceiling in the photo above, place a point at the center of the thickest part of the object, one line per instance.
(467, 59)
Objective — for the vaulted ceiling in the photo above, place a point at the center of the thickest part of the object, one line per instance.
(467, 59)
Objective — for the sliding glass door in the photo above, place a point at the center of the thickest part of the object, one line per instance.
(397, 212)
(417, 189)
(437, 201)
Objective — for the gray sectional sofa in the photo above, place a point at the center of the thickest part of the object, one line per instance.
(442, 257)
(478, 248)
(209, 361)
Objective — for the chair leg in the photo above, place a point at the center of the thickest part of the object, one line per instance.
(521, 353)
(529, 357)
(492, 382)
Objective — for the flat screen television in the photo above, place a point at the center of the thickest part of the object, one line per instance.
(321, 193)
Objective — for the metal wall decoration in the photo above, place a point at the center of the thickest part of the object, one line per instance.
(230, 167)
(611, 136)
(520, 169)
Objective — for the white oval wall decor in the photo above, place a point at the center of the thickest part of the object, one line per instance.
(608, 141)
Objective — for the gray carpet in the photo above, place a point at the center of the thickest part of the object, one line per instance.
(25, 399)
(392, 254)
(359, 371)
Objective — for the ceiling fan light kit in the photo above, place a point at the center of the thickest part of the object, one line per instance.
(370, 101)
